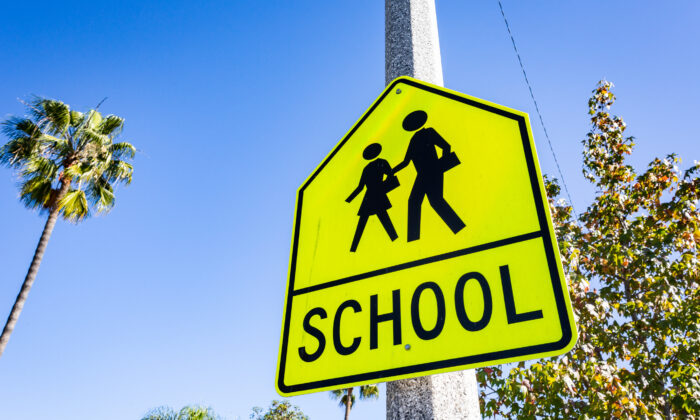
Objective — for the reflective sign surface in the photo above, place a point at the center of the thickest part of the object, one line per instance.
(422, 244)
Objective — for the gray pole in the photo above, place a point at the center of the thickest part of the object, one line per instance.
(413, 49)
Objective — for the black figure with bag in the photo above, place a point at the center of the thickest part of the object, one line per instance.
(429, 174)
(375, 201)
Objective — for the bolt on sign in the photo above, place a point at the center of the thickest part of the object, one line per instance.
(422, 244)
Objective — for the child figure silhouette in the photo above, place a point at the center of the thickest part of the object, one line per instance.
(375, 201)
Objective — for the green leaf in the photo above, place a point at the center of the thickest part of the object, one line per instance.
(74, 206)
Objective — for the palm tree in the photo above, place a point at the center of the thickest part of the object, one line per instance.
(188, 412)
(65, 159)
(347, 398)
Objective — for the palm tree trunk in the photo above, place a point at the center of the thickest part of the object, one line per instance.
(33, 269)
(348, 404)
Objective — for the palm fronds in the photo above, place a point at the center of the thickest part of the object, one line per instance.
(342, 396)
(189, 412)
(36, 192)
(54, 147)
(369, 392)
(366, 392)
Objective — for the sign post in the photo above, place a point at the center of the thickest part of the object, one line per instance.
(412, 48)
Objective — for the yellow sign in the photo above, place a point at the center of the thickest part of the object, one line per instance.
(422, 244)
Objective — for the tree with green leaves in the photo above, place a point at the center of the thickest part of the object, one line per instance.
(631, 260)
(188, 412)
(346, 397)
(68, 163)
(279, 410)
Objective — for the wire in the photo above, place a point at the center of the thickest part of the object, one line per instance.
(537, 108)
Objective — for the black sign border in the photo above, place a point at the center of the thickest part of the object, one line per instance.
(423, 367)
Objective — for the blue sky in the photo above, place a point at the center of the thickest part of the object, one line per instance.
(176, 296)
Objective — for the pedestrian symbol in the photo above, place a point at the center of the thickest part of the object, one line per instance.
(429, 174)
(422, 244)
(379, 179)
(375, 201)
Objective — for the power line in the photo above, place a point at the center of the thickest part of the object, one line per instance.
(537, 108)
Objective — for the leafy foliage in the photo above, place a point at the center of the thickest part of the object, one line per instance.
(632, 264)
(67, 160)
(279, 410)
(189, 412)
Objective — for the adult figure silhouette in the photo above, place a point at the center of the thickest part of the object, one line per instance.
(429, 174)
(375, 200)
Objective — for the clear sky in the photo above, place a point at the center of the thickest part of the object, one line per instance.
(176, 296)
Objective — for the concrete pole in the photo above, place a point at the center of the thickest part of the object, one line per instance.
(413, 49)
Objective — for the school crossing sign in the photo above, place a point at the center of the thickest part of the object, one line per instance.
(422, 244)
